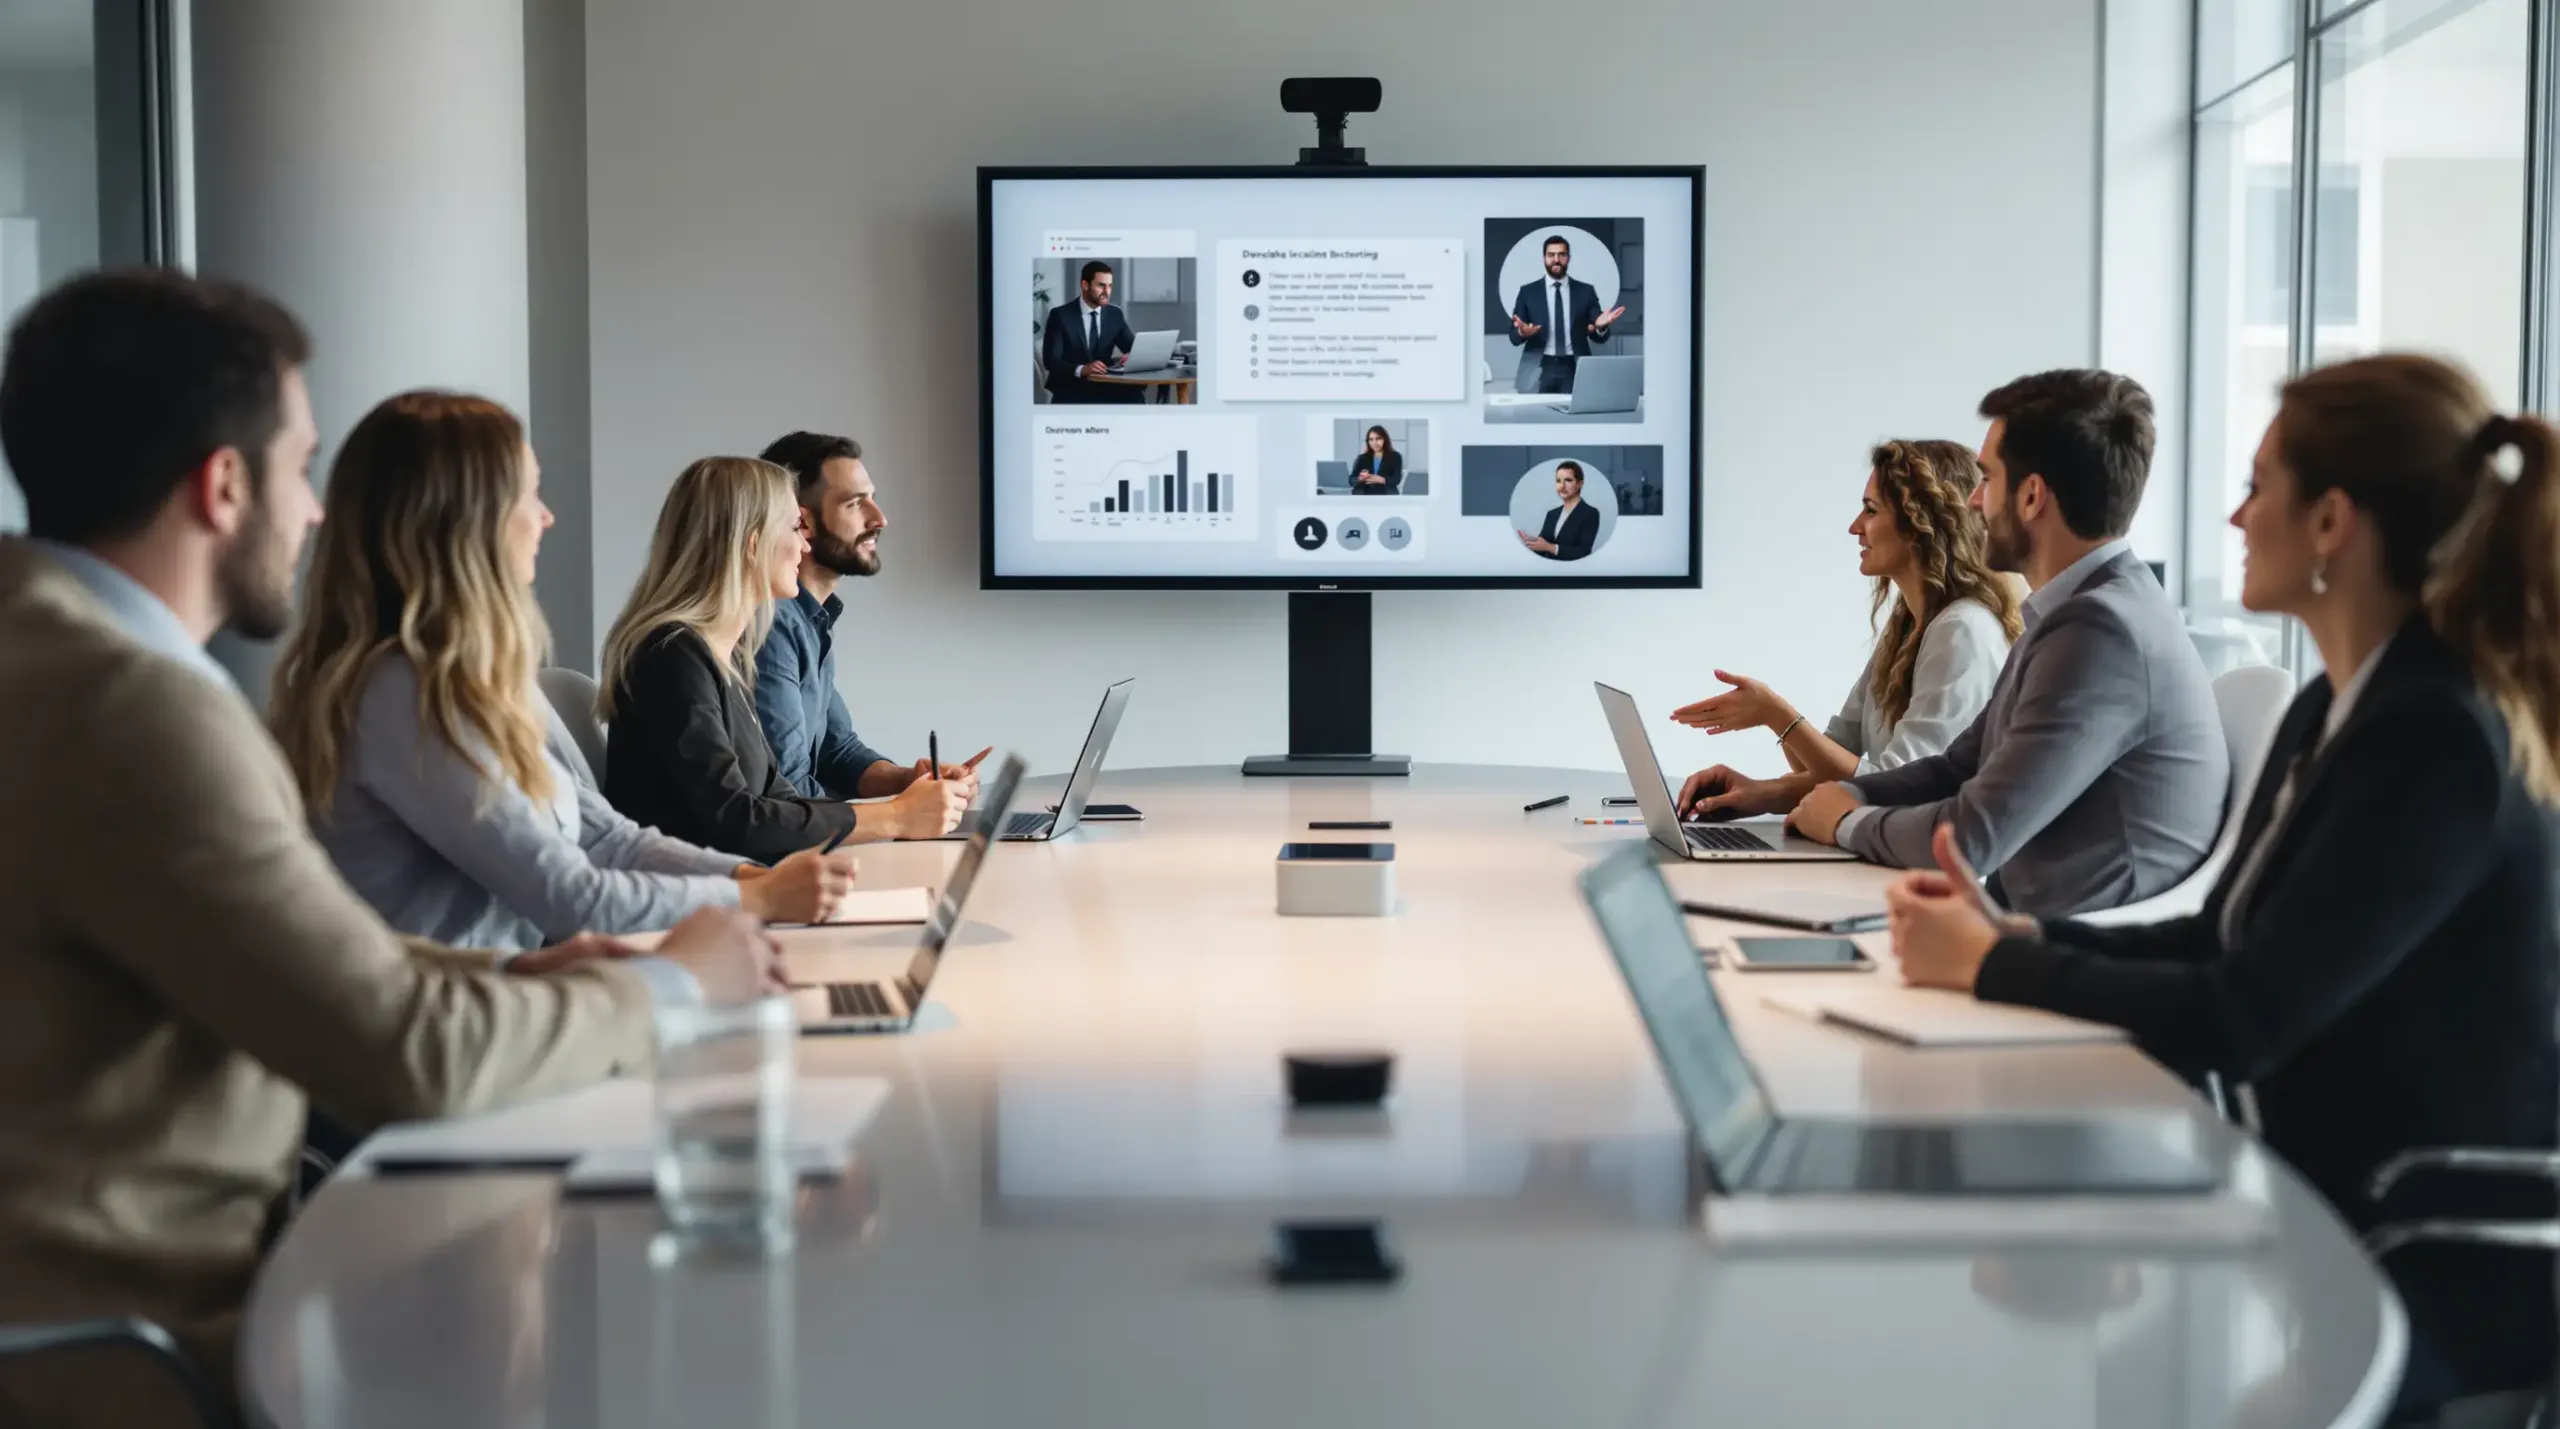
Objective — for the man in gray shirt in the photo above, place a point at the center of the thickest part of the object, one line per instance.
(2095, 777)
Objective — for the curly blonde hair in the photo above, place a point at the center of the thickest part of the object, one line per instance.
(1924, 486)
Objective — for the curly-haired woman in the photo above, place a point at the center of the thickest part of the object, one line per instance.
(1947, 620)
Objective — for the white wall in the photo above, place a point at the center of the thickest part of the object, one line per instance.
(1900, 215)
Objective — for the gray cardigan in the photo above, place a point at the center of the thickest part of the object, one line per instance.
(444, 852)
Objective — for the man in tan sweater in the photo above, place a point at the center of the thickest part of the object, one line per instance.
(180, 965)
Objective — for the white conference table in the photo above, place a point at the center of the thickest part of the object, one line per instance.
(1058, 1218)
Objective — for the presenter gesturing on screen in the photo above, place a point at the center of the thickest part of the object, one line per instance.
(1083, 339)
(1562, 316)
(1570, 528)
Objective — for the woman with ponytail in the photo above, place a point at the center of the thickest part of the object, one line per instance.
(2379, 958)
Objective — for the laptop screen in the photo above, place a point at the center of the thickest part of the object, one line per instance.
(1644, 771)
(1097, 743)
(995, 797)
(1701, 1058)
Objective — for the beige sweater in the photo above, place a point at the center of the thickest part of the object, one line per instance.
(179, 966)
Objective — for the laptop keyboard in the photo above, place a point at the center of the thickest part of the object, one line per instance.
(1715, 838)
(858, 999)
(1018, 825)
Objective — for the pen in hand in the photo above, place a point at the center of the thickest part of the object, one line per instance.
(932, 754)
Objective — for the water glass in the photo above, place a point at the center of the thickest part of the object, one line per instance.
(725, 1170)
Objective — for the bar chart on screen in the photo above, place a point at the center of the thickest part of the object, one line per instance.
(1168, 477)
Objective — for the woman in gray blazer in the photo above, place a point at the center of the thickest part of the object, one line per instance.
(1938, 651)
(438, 778)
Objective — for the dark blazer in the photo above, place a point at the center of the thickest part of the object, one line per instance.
(2393, 986)
(1389, 465)
(1063, 350)
(688, 758)
(1581, 297)
(1580, 530)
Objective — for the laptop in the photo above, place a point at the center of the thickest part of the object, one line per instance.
(1153, 351)
(1332, 476)
(1749, 1148)
(1604, 384)
(892, 1006)
(1033, 826)
(1742, 841)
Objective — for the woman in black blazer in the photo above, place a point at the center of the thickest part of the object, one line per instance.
(2379, 959)
(1378, 470)
(687, 755)
(1572, 529)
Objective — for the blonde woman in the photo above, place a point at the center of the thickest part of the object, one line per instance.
(679, 679)
(1946, 621)
(437, 776)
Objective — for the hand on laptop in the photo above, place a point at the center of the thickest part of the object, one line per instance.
(728, 952)
(1748, 705)
(804, 888)
(1722, 793)
(1818, 816)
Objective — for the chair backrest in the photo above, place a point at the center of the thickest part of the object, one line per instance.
(2252, 701)
(573, 695)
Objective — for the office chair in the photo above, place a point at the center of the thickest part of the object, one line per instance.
(573, 695)
(123, 1332)
(2531, 1410)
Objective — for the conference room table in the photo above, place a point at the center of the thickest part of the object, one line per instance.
(1059, 1216)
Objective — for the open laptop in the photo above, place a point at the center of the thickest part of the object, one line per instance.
(1333, 477)
(1604, 384)
(1033, 826)
(892, 1006)
(1153, 352)
(1750, 1148)
(1743, 840)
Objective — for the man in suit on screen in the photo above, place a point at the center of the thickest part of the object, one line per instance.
(1560, 315)
(1084, 340)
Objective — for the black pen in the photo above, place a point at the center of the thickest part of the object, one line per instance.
(1546, 803)
(841, 835)
(932, 754)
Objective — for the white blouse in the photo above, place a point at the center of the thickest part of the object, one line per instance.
(1961, 653)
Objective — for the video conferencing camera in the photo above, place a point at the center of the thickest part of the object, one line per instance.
(1332, 102)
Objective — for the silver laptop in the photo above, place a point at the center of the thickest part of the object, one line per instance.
(1153, 352)
(892, 1006)
(1333, 476)
(1748, 1147)
(1743, 840)
(1032, 826)
(1605, 384)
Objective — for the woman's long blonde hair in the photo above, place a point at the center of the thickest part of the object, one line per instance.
(412, 559)
(1924, 486)
(706, 565)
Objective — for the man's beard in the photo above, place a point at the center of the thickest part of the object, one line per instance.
(255, 576)
(843, 557)
(2004, 541)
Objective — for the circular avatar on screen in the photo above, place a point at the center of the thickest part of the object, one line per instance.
(1534, 495)
(1589, 261)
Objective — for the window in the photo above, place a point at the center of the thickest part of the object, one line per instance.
(83, 142)
(2415, 116)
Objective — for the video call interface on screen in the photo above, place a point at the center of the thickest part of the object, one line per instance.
(1369, 378)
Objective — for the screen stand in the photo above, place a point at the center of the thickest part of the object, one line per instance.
(1328, 692)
